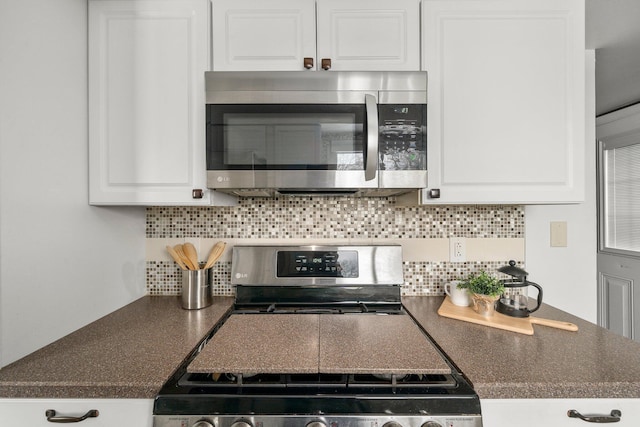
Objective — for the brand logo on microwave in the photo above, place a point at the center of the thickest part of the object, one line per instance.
(241, 275)
(222, 179)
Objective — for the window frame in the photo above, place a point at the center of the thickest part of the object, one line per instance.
(618, 141)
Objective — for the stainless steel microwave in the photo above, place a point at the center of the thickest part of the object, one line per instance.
(360, 133)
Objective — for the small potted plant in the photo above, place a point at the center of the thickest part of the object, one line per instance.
(485, 291)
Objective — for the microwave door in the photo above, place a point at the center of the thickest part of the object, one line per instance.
(307, 146)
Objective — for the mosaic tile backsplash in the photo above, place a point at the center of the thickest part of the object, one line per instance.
(339, 218)
(332, 218)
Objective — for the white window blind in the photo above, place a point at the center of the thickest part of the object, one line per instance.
(622, 197)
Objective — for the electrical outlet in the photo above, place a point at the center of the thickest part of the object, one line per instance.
(457, 249)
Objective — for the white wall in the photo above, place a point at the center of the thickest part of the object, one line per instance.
(63, 263)
(568, 275)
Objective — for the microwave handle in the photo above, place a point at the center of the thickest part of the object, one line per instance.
(371, 166)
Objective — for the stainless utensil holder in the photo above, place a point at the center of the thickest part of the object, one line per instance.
(196, 289)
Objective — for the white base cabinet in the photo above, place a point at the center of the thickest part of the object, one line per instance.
(506, 99)
(553, 412)
(111, 412)
(292, 35)
(147, 60)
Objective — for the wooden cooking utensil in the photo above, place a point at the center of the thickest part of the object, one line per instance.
(192, 254)
(176, 257)
(215, 254)
(180, 251)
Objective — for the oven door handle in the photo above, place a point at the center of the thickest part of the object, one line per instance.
(371, 151)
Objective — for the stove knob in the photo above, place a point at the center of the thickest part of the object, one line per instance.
(203, 423)
(392, 424)
(431, 424)
(316, 424)
(242, 423)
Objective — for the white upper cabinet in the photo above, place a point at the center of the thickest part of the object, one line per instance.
(291, 35)
(506, 119)
(255, 35)
(374, 35)
(146, 101)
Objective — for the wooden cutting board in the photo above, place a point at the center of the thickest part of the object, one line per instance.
(522, 325)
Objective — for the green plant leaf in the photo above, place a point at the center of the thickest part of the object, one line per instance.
(483, 283)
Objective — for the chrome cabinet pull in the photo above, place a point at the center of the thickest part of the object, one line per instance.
(613, 418)
(52, 418)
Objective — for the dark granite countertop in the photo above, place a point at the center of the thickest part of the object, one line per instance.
(129, 353)
(590, 363)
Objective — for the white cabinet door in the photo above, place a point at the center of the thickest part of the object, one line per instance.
(111, 412)
(147, 61)
(258, 35)
(553, 412)
(506, 100)
(280, 35)
(374, 35)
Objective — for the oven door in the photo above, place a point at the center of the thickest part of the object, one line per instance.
(293, 146)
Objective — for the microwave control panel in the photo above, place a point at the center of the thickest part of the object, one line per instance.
(402, 136)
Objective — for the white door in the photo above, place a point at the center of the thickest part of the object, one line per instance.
(506, 100)
(373, 35)
(263, 35)
(619, 219)
(146, 102)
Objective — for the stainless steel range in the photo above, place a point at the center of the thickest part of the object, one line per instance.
(318, 337)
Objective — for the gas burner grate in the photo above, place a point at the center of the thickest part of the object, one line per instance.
(335, 381)
(406, 380)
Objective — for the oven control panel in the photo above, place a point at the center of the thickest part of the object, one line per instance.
(317, 264)
(311, 265)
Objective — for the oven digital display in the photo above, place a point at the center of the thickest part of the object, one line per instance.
(317, 264)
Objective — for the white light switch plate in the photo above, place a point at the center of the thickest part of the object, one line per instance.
(558, 234)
